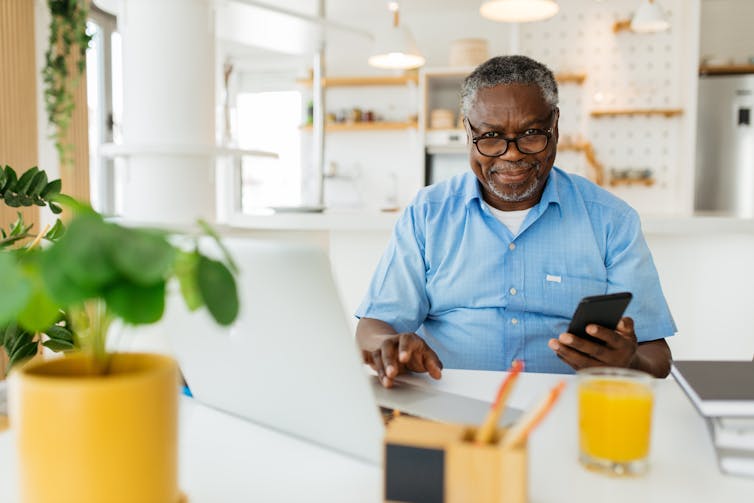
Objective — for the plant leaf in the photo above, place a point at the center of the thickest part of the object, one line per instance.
(56, 232)
(58, 345)
(10, 180)
(136, 304)
(142, 256)
(23, 353)
(84, 252)
(62, 288)
(185, 270)
(15, 288)
(24, 183)
(214, 235)
(19, 338)
(51, 189)
(40, 311)
(59, 333)
(38, 184)
(12, 200)
(218, 289)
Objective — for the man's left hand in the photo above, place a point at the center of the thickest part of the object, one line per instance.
(619, 349)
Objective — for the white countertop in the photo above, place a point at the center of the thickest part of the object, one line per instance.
(226, 459)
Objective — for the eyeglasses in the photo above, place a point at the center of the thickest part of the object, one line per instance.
(493, 144)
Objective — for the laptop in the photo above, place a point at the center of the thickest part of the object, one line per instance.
(290, 361)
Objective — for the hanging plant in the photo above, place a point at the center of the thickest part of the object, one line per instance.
(67, 43)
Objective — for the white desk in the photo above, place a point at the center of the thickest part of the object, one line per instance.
(227, 460)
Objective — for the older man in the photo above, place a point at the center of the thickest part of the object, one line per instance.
(487, 267)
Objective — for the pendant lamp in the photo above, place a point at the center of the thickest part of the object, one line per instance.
(395, 47)
(648, 18)
(519, 11)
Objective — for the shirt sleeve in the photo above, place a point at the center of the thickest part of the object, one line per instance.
(397, 292)
(630, 268)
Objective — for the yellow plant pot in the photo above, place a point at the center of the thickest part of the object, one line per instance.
(86, 438)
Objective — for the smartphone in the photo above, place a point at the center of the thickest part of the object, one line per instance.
(603, 310)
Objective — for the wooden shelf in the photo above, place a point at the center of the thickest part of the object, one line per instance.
(402, 80)
(572, 78)
(647, 182)
(586, 148)
(365, 126)
(666, 112)
(376, 80)
(726, 69)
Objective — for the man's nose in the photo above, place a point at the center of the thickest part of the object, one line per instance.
(513, 153)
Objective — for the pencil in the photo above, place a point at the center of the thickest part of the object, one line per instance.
(486, 432)
(523, 427)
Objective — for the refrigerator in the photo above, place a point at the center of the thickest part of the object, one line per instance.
(724, 181)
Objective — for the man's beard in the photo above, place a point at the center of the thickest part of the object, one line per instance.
(518, 191)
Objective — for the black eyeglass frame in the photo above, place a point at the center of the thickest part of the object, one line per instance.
(541, 132)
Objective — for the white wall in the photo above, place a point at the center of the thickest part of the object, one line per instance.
(708, 280)
(727, 30)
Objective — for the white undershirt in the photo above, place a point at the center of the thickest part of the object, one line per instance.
(511, 219)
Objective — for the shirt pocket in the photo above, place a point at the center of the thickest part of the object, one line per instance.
(562, 293)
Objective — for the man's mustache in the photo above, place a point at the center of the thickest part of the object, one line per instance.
(509, 166)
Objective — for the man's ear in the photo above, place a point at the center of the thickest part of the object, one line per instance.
(555, 131)
(467, 128)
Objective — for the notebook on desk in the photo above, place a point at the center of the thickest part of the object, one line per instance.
(717, 388)
(290, 361)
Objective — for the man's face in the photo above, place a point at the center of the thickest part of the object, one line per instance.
(513, 180)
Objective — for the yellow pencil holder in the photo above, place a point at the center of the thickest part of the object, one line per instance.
(428, 462)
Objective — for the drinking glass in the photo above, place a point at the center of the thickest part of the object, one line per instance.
(615, 420)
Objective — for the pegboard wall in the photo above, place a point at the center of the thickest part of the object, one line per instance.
(624, 71)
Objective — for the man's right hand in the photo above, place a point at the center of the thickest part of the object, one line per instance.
(399, 353)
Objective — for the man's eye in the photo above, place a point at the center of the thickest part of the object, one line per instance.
(490, 134)
(532, 131)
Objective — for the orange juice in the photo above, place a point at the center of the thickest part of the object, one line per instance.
(615, 417)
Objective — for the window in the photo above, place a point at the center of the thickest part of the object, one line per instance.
(102, 61)
(270, 121)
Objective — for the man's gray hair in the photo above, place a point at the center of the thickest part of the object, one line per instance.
(509, 70)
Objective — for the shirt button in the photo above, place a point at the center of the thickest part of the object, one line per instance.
(514, 321)
(513, 291)
(512, 246)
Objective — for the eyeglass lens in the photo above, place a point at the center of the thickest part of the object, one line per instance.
(529, 144)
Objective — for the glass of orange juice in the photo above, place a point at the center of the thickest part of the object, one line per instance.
(615, 420)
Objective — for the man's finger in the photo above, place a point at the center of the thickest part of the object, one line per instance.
(380, 369)
(432, 363)
(612, 338)
(583, 345)
(575, 359)
(626, 327)
(407, 344)
(390, 358)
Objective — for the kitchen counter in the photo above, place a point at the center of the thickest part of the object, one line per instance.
(338, 220)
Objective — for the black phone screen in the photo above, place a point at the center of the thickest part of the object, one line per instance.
(604, 310)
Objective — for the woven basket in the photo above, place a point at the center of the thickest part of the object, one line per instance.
(468, 52)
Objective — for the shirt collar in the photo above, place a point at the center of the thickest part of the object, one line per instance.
(473, 191)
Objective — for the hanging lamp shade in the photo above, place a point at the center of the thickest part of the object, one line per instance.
(395, 47)
(649, 18)
(519, 11)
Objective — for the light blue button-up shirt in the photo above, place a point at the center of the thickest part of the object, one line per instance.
(482, 297)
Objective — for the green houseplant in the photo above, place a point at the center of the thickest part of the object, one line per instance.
(93, 272)
(65, 62)
(95, 421)
(30, 189)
